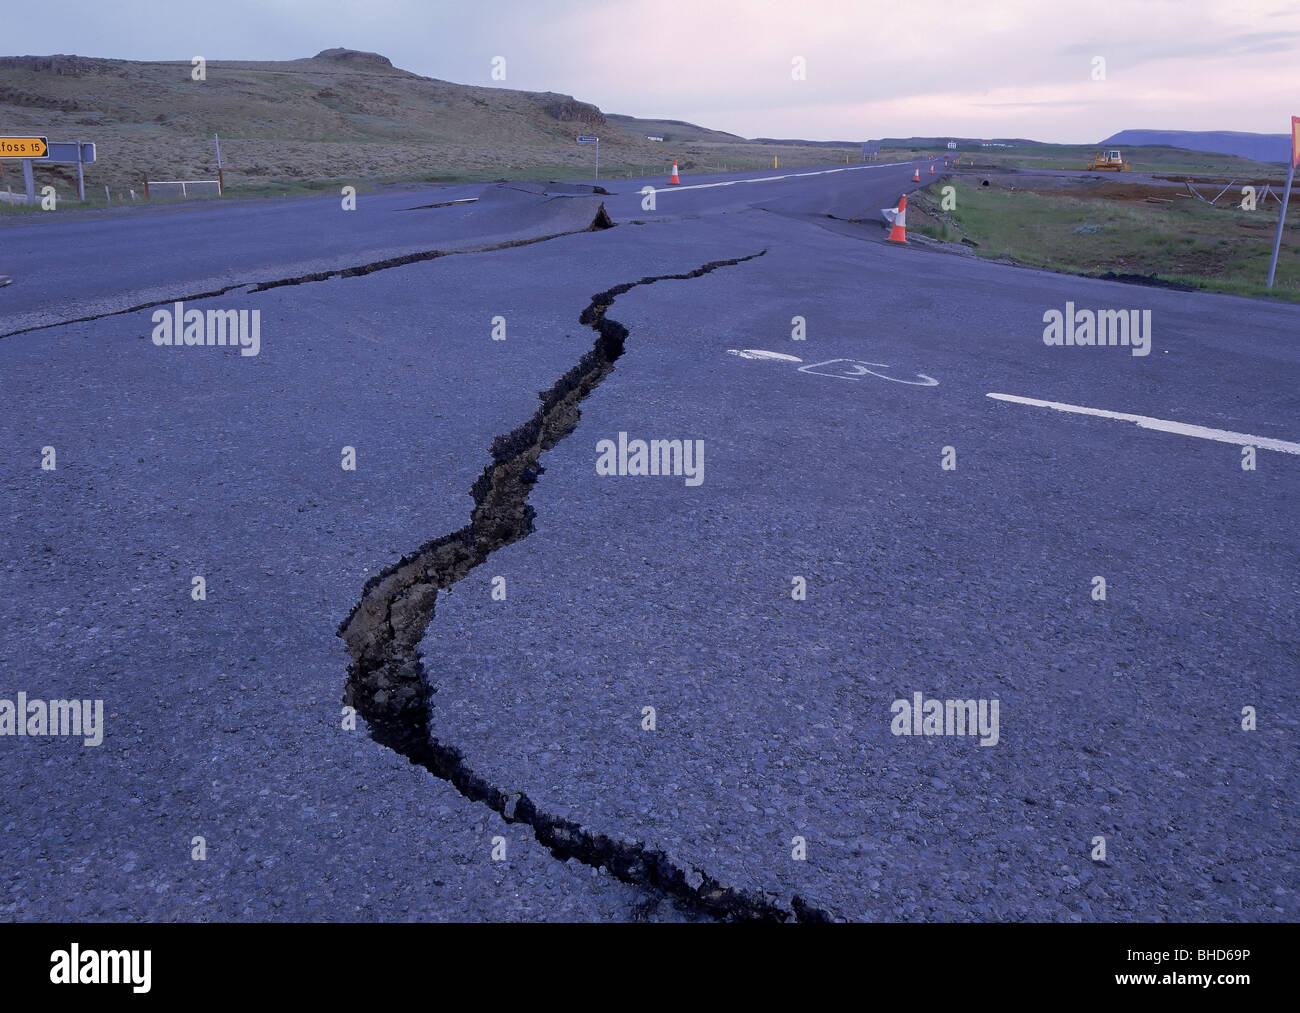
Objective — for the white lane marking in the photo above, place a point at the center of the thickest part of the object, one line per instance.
(758, 353)
(1164, 426)
(856, 369)
(770, 179)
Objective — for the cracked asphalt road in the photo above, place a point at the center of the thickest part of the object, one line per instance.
(1118, 718)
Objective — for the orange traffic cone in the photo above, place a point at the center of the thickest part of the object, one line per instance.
(898, 234)
(674, 180)
(931, 168)
(916, 175)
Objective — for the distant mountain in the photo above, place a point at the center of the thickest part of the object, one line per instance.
(1259, 147)
(942, 142)
(898, 142)
(811, 144)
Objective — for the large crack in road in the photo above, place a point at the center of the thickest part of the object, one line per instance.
(386, 679)
(600, 221)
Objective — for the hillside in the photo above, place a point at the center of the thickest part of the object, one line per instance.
(340, 115)
(670, 130)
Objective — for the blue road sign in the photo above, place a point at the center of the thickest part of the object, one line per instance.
(65, 152)
(588, 140)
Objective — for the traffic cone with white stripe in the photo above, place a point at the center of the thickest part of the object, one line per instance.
(931, 168)
(675, 180)
(898, 234)
(916, 175)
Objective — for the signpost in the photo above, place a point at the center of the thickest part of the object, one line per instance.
(67, 152)
(26, 148)
(1286, 194)
(584, 139)
(76, 153)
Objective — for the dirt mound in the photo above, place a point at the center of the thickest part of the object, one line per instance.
(1146, 279)
(1124, 192)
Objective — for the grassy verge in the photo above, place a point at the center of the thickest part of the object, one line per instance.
(1155, 159)
(1219, 249)
(696, 160)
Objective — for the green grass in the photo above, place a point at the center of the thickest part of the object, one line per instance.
(237, 185)
(1219, 249)
(95, 203)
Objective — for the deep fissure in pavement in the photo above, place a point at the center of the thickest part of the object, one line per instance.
(599, 221)
(386, 678)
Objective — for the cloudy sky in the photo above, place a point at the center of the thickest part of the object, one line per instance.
(1026, 68)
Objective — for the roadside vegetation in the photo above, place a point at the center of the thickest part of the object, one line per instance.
(1219, 248)
(1153, 159)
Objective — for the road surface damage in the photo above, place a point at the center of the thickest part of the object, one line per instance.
(387, 682)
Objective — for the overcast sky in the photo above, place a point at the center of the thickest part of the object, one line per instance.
(1023, 68)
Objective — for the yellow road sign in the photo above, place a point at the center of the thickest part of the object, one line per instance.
(24, 147)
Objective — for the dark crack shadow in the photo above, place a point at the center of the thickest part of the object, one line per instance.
(386, 680)
(600, 221)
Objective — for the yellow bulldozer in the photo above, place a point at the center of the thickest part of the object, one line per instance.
(1109, 160)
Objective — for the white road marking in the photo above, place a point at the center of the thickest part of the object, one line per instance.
(844, 369)
(859, 369)
(1164, 426)
(758, 353)
(770, 179)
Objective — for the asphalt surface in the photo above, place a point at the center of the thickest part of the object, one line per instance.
(1118, 719)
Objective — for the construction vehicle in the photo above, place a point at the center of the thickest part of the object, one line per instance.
(1109, 160)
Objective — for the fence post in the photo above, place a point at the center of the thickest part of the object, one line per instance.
(146, 186)
(1281, 223)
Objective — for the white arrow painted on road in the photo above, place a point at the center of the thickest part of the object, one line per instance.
(1162, 425)
(758, 353)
